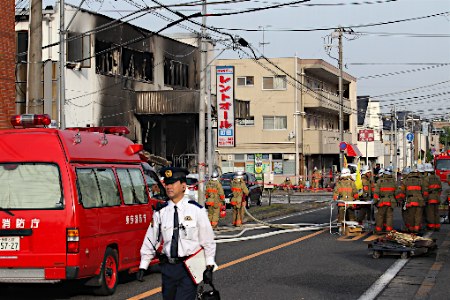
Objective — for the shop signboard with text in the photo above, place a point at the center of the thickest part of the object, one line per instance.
(366, 135)
(225, 106)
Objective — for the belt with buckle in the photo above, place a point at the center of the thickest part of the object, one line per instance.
(176, 260)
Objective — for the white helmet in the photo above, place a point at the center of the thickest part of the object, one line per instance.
(345, 172)
(421, 168)
(381, 172)
(406, 170)
(388, 171)
(429, 167)
(214, 175)
(365, 170)
(239, 174)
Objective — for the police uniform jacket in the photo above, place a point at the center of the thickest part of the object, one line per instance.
(386, 192)
(238, 188)
(195, 232)
(214, 193)
(432, 189)
(345, 190)
(412, 189)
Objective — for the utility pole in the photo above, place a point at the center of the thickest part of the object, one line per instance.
(201, 112)
(263, 42)
(395, 144)
(62, 68)
(341, 99)
(405, 152)
(296, 113)
(302, 114)
(34, 91)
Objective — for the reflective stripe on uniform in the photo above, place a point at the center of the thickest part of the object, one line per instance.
(414, 188)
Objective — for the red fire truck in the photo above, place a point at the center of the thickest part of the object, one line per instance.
(442, 165)
(74, 204)
(442, 169)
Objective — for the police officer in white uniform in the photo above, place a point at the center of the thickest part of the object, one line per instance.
(184, 227)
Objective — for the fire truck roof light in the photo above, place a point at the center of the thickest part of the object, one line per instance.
(135, 148)
(30, 120)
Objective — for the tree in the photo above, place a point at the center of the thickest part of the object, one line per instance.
(444, 137)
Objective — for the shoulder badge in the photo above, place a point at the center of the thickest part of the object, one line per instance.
(160, 205)
(188, 218)
(195, 203)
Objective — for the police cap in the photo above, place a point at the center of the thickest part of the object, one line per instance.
(172, 174)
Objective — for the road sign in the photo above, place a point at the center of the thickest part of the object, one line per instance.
(342, 146)
(410, 136)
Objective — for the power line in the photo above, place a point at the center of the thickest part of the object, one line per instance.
(348, 26)
(404, 71)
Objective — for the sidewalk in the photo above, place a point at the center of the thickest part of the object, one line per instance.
(424, 277)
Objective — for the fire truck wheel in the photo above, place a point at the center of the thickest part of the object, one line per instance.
(404, 255)
(109, 274)
(376, 254)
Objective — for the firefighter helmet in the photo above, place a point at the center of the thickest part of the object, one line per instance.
(345, 172)
(239, 174)
(381, 172)
(214, 175)
(429, 167)
(406, 170)
(421, 168)
(388, 170)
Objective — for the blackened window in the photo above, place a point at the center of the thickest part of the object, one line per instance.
(22, 46)
(79, 48)
(137, 64)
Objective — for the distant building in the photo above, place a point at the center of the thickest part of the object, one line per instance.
(265, 142)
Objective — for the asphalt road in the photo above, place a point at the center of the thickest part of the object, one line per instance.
(313, 264)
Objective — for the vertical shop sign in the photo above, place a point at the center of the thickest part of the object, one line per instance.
(258, 164)
(225, 106)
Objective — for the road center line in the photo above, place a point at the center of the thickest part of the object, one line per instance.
(231, 263)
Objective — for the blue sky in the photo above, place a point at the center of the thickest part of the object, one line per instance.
(387, 59)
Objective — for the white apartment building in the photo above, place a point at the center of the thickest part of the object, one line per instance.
(283, 93)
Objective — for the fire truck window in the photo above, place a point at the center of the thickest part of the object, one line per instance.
(30, 185)
(108, 187)
(126, 186)
(88, 188)
(133, 186)
(443, 164)
(139, 186)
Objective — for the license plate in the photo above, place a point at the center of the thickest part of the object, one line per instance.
(10, 243)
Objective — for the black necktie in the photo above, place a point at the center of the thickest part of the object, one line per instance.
(176, 233)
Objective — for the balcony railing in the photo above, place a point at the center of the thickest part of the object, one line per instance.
(325, 99)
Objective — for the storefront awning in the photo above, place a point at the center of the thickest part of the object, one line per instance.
(352, 150)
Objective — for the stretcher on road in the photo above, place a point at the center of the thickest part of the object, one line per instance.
(403, 244)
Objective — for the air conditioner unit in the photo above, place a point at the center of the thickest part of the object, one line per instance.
(73, 65)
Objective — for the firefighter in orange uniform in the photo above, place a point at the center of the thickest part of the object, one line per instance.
(412, 189)
(239, 190)
(432, 194)
(301, 184)
(345, 190)
(287, 184)
(385, 198)
(316, 176)
(368, 189)
(215, 198)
